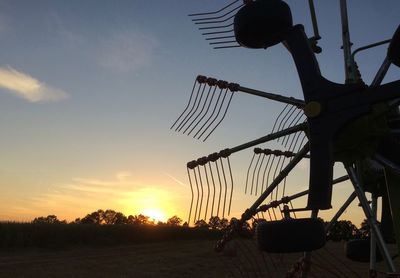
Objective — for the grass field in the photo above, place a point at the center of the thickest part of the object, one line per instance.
(179, 258)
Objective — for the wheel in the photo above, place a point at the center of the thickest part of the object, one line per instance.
(262, 24)
(291, 235)
(358, 250)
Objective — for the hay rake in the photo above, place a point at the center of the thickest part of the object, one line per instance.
(351, 123)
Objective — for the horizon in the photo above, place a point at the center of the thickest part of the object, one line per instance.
(90, 89)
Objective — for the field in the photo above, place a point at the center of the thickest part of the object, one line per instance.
(177, 258)
(183, 258)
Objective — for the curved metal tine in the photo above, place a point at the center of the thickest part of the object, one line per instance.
(216, 116)
(200, 20)
(294, 141)
(226, 186)
(201, 186)
(248, 171)
(212, 114)
(213, 183)
(276, 169)
(220, 187)
(219, 38)
(229, 46)
(252, 259)
(198, 196)
(191, 108)
(286, 120)
(254, 174)
(201, 110)
(273, 212)
(188, 104)
(269, 171)
(283, 119)
(241, 262)
(205, 113)
(291, 206)
(223, 117)
(265, 169)
(301, 142)
(279, 115)
(269, 214)
(215, 12)
(218, 32)
(208, 191)
(216, 21)
(295, 121)
(284, 180)
(222, 42)
(230, 174)
(216, 27)
(194, 108)
(258, 172)
(191, 189)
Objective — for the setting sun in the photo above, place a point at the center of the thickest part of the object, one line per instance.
(155, 215)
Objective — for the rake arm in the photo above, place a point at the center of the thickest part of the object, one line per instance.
(207, 108)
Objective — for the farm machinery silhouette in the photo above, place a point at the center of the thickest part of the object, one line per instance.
(352, 123)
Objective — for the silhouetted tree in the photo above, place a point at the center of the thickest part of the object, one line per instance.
(50, 219)
(201, 224)
(112, 217)
(174, 221)
(364, 229)
(138, 219)
(217, 223)
(214, 223)
(224, 223)
(95, 217)
(343, 230)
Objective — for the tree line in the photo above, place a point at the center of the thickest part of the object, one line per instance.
(109, 217)
(342, 230)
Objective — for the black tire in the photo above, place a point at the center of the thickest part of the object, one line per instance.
(291, 235)
(261, 24)
(358, 250)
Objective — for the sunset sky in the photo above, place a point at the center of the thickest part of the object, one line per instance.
(89, 89)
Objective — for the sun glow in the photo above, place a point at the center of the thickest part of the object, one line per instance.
(155, 215)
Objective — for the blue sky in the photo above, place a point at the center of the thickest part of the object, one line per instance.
(89, 89)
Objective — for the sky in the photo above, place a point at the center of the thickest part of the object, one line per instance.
(89, 89)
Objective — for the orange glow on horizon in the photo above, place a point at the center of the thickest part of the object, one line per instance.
(155, 215)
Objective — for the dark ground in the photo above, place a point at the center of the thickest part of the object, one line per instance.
(179, 258)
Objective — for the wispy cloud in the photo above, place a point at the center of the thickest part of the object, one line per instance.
(27, 87)
(175, 179)
(130, 50)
